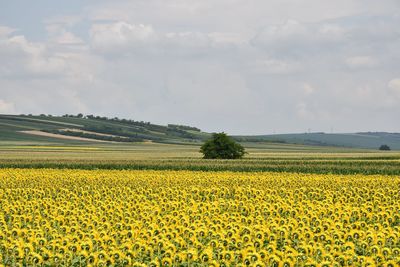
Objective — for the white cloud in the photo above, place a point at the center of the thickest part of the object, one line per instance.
(394, 86)
(275, 66)
(25, 60)
(303, 111)
(122, 37)
(68, 38)
(6, 107)
(188, 39)
(360, 62)
(19, 56)
(5, 31)
(223, 90)
(59, 29)
(332, 31)
(227, 38)
(62, 21)
(294, 38)
(59, 34)
(308, 89)
(119, 35)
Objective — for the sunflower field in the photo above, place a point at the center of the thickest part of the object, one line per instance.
(66, 217)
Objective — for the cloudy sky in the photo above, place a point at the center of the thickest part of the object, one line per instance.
(241, 66)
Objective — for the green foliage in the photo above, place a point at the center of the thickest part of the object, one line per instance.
(124, 130)
(221, 146)
(384, 148)
(184, 127)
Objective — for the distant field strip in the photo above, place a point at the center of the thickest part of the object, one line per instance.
(60, 136)
(90, 132)
(102, 160)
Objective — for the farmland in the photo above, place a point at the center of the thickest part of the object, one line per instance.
(187, 218)
(166, 148)
(156, 202)
(268, 157)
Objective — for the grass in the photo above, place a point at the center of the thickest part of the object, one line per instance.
(139, 156)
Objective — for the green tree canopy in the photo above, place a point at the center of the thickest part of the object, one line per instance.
(221, 146)
(384, 147)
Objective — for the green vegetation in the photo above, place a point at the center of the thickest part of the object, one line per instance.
(169, 147)
(368, 140)
(94, 127)
(268, 157)
(221, 146)
(320, 167)
(384, 148)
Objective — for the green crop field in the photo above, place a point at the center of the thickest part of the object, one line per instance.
(272, 157)
(167, 147)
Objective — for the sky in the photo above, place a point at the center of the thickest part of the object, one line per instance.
(239, 66)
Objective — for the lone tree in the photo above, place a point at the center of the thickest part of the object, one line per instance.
(221, 146)
(384, 147)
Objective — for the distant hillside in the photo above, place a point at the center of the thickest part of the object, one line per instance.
(75, 129)
(80, 128)
(369, 140)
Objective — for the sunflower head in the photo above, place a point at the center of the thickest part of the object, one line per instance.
(166, 261)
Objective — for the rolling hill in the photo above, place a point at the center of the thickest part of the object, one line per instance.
(368, 140)
(78, 129)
